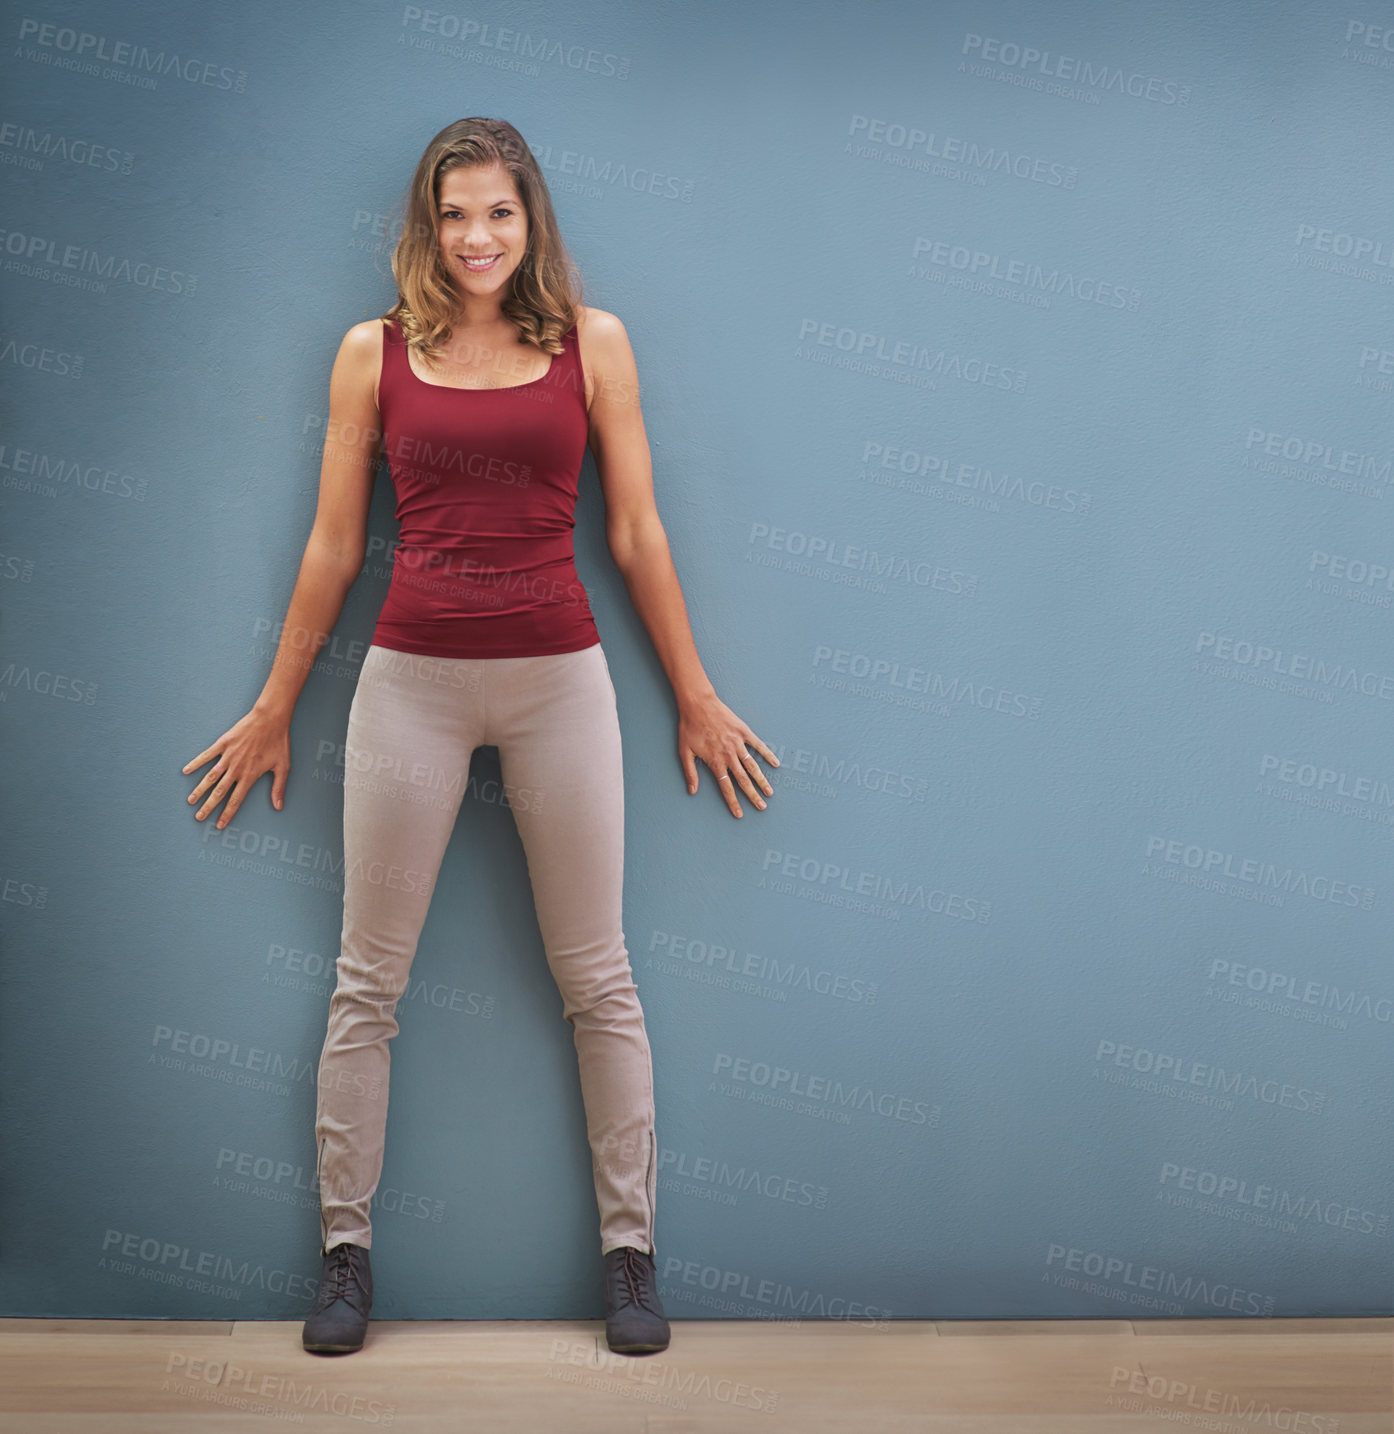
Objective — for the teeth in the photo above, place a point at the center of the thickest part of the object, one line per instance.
(480, 263)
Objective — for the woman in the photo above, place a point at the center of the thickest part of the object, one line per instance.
(483, 385)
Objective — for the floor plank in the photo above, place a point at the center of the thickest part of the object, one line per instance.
(896, 1377)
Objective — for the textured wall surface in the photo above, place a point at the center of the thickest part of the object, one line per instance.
(1019, 381)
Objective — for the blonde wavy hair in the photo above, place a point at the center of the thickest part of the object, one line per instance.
(544, 298)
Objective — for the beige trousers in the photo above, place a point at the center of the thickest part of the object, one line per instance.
(413, 724)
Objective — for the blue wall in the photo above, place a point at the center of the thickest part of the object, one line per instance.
(1019, 381)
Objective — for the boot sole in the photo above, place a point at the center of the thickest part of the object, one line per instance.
(638, 1348)
(323, 1347)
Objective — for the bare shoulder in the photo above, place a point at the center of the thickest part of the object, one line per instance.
(606, 355)
(358, 366)
(604, 337)
(363, 342)
(598, 323)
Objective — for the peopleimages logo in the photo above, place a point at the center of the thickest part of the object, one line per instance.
(55, 471)
(1289, 881)
(740, 1286)
(984, 264)
(742, 1071)
(1097, 74)
(910, 571)
(718, 1175)
(956, 149)
(894, 673)
(227, 1061)
(1163, 1065)
(883, 460)
(884, 354)
(1356, 571)
(507, 39)
(1337, 1214)
(258, 1391)
(181, 1266)
(30, 148)
(832, 880)
(792, 974)
(44, 252)
(1317, 453)
(1244, 1411)
(1106, 1269)
(67, 48)
(1359, 248)
(666, 1383)
(1289, 987)
(1328, 781)
(1260, 656)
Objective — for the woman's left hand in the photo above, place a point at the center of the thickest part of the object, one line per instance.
(707, 728)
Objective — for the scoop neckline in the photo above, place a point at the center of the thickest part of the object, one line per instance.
(493, 388)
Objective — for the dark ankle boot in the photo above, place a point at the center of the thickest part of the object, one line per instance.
(338, 1321)
(634, 1319)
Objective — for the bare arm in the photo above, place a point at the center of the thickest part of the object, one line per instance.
(260, 741)
(338, 540)
(634, 532)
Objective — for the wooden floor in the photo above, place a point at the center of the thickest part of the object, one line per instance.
(903, 1377)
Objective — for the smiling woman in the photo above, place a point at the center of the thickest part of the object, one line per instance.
(483, 385)
(481, 258)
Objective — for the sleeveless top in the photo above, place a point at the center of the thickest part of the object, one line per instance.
(486, 482)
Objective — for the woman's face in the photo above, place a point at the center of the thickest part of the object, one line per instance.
(480, 215)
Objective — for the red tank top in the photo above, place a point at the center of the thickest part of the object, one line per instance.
(486, 483)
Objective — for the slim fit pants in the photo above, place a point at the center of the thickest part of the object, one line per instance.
(413, 724)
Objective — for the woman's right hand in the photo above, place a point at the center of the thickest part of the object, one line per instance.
(258, 743)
